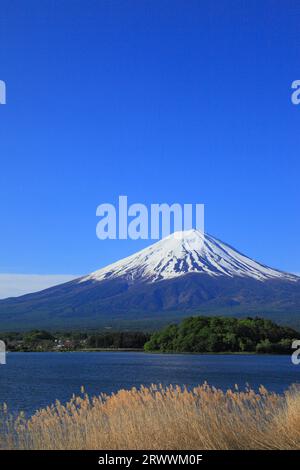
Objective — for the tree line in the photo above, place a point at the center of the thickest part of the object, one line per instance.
(199, 334)
(40, 340)
(222, 334)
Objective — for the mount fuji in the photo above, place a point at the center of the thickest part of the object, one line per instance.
(185, 273)
(187, 252)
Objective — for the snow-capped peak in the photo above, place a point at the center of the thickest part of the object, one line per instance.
(187, 252)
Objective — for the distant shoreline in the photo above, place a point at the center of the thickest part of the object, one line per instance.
(114, 350)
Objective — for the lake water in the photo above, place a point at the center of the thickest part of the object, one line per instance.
(32, 380)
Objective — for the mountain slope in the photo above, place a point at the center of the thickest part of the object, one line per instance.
(170, 279)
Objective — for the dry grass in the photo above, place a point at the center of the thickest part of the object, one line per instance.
(161, 418)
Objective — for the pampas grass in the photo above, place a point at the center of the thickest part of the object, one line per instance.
(165, 418)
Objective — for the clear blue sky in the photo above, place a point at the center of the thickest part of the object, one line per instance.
(164, 101)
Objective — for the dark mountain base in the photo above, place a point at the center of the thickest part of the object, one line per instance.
(119, 304)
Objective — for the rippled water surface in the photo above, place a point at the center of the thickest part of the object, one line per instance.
(32, 380)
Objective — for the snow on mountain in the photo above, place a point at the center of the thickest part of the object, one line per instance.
(187, 252)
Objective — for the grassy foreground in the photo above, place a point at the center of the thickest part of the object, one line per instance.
(171, 418)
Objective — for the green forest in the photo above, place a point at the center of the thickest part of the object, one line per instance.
(40, 340)
(222, 334)
(194, 335)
